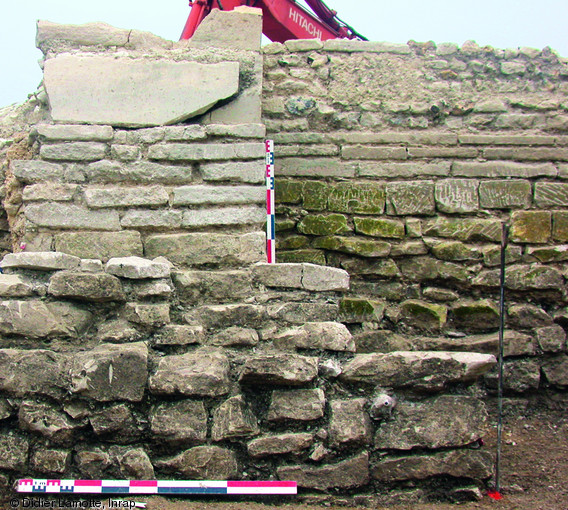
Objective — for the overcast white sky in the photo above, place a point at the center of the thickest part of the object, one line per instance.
(499, 23)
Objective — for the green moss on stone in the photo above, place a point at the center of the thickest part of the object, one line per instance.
(323, 225)
(424, 315)
(361, 198)
(476, 315)
(454, 250)
(378, 227)
(292, 243)
(531, 226)
(314, 194)
(311, 256)
(355, 310)
(288, 192)
(281, 225)
(354, 246)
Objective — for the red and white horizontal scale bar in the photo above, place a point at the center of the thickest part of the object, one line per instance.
(44, 486)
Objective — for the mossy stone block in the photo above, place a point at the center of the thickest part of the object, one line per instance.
(323, 225)
(454, 250)
(292, 243)
(357, 310)
(531, 226)
(465, 229)
(384, 268)
(354, 246)
(424, 315)
(379, 227)
(361, 198)
(284, 224)
(311, 256)
(476, 315)
(560, 226)
(288, 191)
(314, 195)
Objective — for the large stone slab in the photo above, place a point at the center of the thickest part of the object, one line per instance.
(202, 463)
(298, 405)
(278, 368)
(97, 287)
(134, 93)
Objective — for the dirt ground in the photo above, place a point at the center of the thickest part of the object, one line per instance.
(534, 472)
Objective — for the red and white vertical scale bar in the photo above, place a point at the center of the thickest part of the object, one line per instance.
(270, 218)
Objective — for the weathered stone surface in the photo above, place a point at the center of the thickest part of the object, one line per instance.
(528, 316)
(233, 419)
(509, 194)
(153, 315)
(235, 337)
(49, 191)
(551, 338)
(346, 474)
(299, 313)
(308, 276)
(111, 372)
(31, 171)
(300, 405)
(379, 227)
(533, 277)
(550, 194)
(100, 245)
(117, 331)
(160, 287)
(12, 285)
(120, 91)
(323, 225)
(238, 171)
(138, 172)
(350, 423)
(475, 315)
(440, 422)
(407, 198)
(547, 254)
(197, 373)
(89, 34)
(92, 462)
(423, 315)
(116, 424)
(203, 463)
(277, 368)
(360, 198)
(518, 376)
(212, 286)
(38, 319)
(206, 151)
(74, 151)
(203, 194)
(476, 464)
(531, 226)
(75, 132)
(50, 460)
(243, 215)
(279, 275)
(280, 444)
(421, 369)
(66, 216)
(353, 246)
(136, 465)
(556, 371)
(13, 451)
(560, 226)
(179, 422)
(464, 229)
(179, 334)
(137, 268)
(320, 278)
(97, 198)
(224, 316)
(97, 287)
(455, 251)
(357, 310)
(331, 336)
(45, 261)
(47, 421)
(456, 195)
(211, 249)
(151, 219)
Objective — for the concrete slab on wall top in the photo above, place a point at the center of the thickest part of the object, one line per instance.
(134, 93)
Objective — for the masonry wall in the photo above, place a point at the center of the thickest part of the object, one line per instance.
(401, 163)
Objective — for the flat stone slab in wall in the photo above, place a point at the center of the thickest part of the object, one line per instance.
(134, 93)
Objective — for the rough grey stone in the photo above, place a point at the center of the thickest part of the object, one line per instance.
(331, 336)
(223, 316)
(280, 444)
(176, 334)
(528, 316)
(238, 171)
(211, 249)
(47, 421)
(136, 465)
(556, 371)
(66, 216)
(237, 130)
(151, 219)
(427, 370)
(89, 34)
(74, 151)
(93, 462)
(148, 288)
(45, 261)
(137, 268)
(50, 460)
(518, 376)
(111, 372)
(116, 424)
(350, 423)
(279, 368)
(203, 463)
(49, 191)
(117, 331)
(235, 337)
(440, 422)
(197, 373)
(320, 278)
(97, 287)
(300, 405)
(123, 197)
(203, 194)
(12, 285)
(100, 245)
(243, 215)
(551, 338)
(206, 151)
(279, 275)
(179, 422)
(407, 198)
(30, 171)
(299, 313)
(138, 172)
(212, 286)
(13, 451)
(120, 91)
(346, 474)
(233, 419)
(476, 464)
(457, 195)
(75, 132)
(509, 194)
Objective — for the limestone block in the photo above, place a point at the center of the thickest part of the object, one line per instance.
(360, 198)
(243, 130)
(233, 419)
(528, 316)
(111, 372)
(151, 314)
(137, 268)
(476, 464)
(456, 195)
(455, 251)
(14, 450)
(350, 423)
(50, 460)
(49, 191)
(556, 371)
(299, 313)
(358, 310)
(321, 278)
(203, 194)
(212, 286)
(465, 229)
(418, 369)
(97, 198)
(237, 171)
(117, 331)
(206, 151)
(224, 316)
(89, 34)
(475, 315)
(281, 369)
(423, 315)
(353, 246)
(551, 338)
(239, 29)
(323, 225)
(116, 424)
(30, 171)
(75, 133)
(92, 462)
(74, 151)
(379, 227)
(235, 337)
(135, 465)
(66, 216)
(435, 423)
(346, 474)
(178, 334)
(179, 422)
(97, 287)
(143, 289)
(534, 277)
(49, 422)
(223, 216)
(298, 405)
(507, 194)
(278, 275)
(407, 198)
(12, 285)
(197, 373)
(138, 172)
(203, 463)
(44, 261)
(331, 336)
(120, 91)
(560, 226)
(519, 376)
(211, 249)
(531, 226)
(280, 444)
(100, 245)
(184, 133)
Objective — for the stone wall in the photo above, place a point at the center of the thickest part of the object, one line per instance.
(400, 164)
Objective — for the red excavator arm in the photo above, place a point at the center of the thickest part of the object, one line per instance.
(282, 19)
